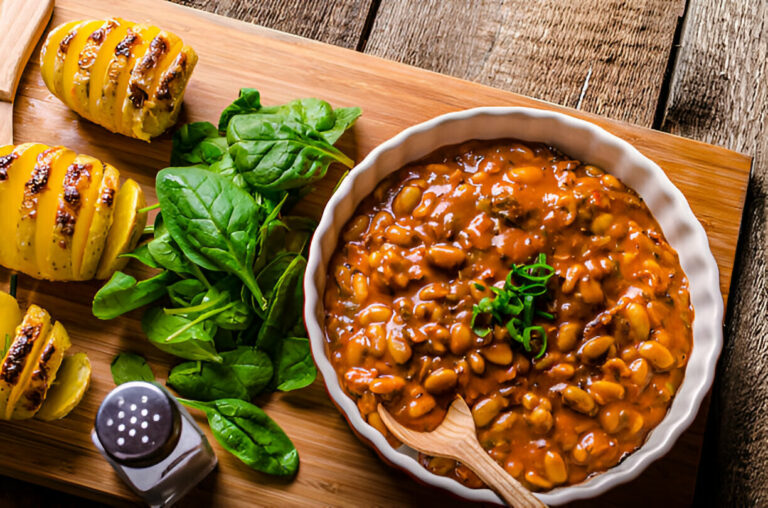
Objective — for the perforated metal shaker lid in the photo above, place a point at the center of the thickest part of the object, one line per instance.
(137, 424)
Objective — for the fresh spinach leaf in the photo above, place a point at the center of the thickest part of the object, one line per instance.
(127, 367)
(316, 113)
(183, 292)
(123, 293)
(270, 275)
(213, 221)
(180, 336)
(167, 253)
(249, 101)
(285, 305)
(142, 254)
(237, 316)
(345, 117)
(222, 303)
(197, 143)
(243, 373)
(294, 365)
(250, 435)
(287, 234)
(276, 154)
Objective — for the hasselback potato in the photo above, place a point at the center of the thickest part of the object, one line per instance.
(62, 215)
(125, 76)
(32, 350)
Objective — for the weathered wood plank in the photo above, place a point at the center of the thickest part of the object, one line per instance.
(719, 94)
(338, 22)
(606, 57)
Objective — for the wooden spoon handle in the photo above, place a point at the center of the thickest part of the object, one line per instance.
(22, 22)
(513, 493)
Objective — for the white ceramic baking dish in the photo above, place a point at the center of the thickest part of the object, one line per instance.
(586, 142)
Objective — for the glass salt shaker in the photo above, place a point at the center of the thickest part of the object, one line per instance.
(152, 442)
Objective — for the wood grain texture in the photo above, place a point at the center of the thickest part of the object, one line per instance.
(719, 94)
(338, 22)
(336, 468)
(603, 56)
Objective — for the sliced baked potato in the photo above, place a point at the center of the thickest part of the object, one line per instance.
(44, 374)
(57, 208)
(37, 197)
(47, 216)
(127, 77)
(103, 211)
(72, 382)
(127, 227)
(72, 62)
(20, 359)
(99, 44)
(32, 352)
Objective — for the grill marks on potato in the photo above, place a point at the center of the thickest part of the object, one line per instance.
(125, 46)
(64, 44)
(144, 70)
(73, 180)
(34, 397)
(5, 163)
(90, 53)
(172, 74)
(37, 182)
(76, 181)
(108, 197)
(18, 353)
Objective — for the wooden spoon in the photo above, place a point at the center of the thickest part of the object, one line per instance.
(456, 439)
(22, 22)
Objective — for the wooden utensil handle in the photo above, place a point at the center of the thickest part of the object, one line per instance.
(513, 493)
(22, 22)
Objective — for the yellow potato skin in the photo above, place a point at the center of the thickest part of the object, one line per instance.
(128, 77)
(49, 53)
(145, 75)
(44, 374)
(103, 37)
(72, 63)
(16, 171)
(55, 55)
(73, 381)
(87, 210)
(126, 230)
(104, 209)
(78, 180)
(21, 359)
(164, 103)
(51, 267)
(98, 73)
(37, 192)
(123, 93)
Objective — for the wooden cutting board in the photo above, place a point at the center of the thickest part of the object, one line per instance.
(336, 469)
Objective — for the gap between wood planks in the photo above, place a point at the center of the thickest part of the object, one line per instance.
(368, 25)
(662, 102)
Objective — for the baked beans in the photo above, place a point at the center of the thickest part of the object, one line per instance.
(428, 244)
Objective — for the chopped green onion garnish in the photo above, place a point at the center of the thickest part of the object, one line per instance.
(514, 306)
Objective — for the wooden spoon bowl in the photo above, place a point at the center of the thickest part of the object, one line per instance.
(456, 438)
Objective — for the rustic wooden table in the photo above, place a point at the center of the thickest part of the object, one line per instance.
(697, 68)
